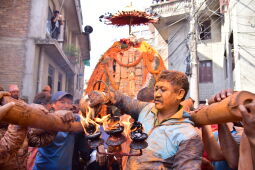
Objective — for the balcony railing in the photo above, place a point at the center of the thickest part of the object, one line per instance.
(161, 1)
(167, 8)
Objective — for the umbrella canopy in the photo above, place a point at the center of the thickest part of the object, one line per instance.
(129, 16)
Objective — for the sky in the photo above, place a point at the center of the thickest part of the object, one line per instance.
(104, 35)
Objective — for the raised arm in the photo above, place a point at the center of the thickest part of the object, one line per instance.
(229, 146)
(211, 145)
(127, 104)
(39, 137)
(4, 109)
(248, 113)
(11, 140)
(123, 102)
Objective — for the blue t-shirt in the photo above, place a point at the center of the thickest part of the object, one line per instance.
(57, 155)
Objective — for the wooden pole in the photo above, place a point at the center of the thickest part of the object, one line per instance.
(221, 112)
(224, 111)
(29, 116)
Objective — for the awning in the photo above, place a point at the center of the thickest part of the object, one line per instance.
(84, 46)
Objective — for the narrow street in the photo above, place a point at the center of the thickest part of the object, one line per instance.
(127, 84)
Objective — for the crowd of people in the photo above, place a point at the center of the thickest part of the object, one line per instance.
(174, 140)
(29, 148)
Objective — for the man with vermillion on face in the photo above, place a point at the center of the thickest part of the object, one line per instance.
(173, 142)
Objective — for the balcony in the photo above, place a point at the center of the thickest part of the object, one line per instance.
(175, 9)
(171, 8)
(172, 12)
(54, 51)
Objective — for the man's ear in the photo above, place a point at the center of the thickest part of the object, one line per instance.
(180, 94)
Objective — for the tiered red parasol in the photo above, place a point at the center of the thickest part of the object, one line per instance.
(129, 16)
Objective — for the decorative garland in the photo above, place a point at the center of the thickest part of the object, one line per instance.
(148, 55)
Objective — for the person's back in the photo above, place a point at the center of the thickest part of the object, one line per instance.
(58, 154)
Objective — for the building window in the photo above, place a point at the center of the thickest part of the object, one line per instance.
(59, 82)
(51, 71)
(224, 6)
(77, 81)
(205, 30)
(205, 71)
(48, 24)
(231, 46)
(226, 65)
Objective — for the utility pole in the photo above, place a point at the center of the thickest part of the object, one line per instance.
(194, 90)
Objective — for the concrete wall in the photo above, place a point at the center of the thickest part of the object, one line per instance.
(243, 25)
(177, 46)
(159, 44)
(239, 20)
(37, 29)
(46, 61)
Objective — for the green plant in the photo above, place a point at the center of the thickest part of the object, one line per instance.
(72, 51)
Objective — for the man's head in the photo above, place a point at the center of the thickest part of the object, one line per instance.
(61, 101)
(43, 99)
(47, 89)
(14, 90)
(56, 12)
(170, 89)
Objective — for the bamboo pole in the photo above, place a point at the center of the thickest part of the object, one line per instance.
(224, 111)
(29, 116)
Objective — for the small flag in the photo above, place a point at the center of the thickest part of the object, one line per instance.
(86, 62)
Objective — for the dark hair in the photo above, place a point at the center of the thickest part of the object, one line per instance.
(146, 94)
(176, 78)
(56, 12)
(1, 88)
(42, 98)
(77, 101)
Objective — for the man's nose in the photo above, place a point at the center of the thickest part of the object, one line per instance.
(67, 105)
(157, 93)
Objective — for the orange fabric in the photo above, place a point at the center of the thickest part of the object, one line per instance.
(104, 72)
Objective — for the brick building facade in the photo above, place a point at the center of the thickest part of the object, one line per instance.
(13, 32)
(29, 56)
